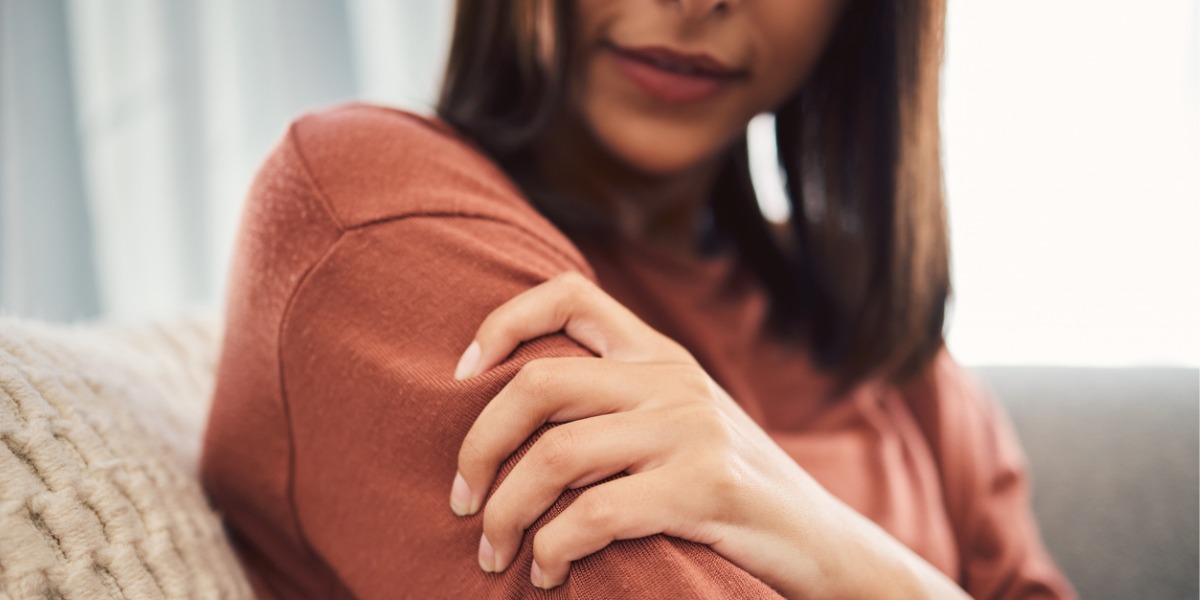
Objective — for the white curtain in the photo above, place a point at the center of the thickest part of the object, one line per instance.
(131, 128)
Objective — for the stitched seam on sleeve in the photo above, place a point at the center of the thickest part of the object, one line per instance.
(304, 278)
(315, 185)
(310, 178)
(550, 245)
(297, 523)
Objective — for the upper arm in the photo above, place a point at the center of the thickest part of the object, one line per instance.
(368, 349)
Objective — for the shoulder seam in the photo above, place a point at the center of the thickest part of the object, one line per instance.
(479, 217)
(311, 178)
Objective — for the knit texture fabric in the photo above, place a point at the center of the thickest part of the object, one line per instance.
(99, 438)
(374, 242)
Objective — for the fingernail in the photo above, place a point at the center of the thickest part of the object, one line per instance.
(468, 363)
(460, 496)
(535, 574)
(487, 555)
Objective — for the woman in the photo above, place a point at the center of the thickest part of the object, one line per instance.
(661, 394)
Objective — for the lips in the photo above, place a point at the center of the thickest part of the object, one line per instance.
(675, 77)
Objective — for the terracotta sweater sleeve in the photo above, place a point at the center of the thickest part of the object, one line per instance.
(988, 492)
(367, 348)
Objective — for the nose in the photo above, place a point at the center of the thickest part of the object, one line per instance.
(698, 9)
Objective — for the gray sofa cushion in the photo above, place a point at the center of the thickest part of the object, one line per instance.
(1115, 462)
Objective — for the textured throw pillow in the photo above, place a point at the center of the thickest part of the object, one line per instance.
(100, 430)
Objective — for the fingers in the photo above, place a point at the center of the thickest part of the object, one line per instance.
(621, 509)
(569, 302)
(544, 390)
(566, 457)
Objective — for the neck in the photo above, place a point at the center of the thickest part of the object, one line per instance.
(668, 210)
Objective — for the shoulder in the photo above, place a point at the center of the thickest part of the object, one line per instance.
(950, 403)
(967, 430)
(947, 391)
(952, 408)
(985, 485)
(373, 164)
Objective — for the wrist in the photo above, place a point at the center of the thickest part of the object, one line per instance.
(864, 562)
(836, 553)
(858, 559)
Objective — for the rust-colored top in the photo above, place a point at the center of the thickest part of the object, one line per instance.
(372, 245)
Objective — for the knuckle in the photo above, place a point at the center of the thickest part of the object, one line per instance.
(502, 520)
(496, 521)
(688, 383)
(724, 492)
(676, 351)
(720, 483)
(574, 285)
(598, 511)
(556, 447)
(706, 422)
(545, 546)
(498, 322)
(572, 278)
(695, 380)
(536, 377)
(471, 453)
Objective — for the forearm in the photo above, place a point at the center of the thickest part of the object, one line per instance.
(858, 559)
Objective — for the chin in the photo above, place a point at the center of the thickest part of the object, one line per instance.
(655, 145)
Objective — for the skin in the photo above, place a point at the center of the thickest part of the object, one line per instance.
(644, 406)
(650, 165)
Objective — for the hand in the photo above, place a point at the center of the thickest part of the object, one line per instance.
(698, 467)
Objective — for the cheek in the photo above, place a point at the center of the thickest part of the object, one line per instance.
(792, 37)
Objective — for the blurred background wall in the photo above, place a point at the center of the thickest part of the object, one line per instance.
(130, 129)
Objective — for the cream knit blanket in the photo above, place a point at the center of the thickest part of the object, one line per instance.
(100, 429)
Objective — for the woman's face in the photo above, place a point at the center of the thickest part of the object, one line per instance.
(666, 85)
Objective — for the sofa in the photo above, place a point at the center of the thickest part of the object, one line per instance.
(101, 427)
(1115, 463)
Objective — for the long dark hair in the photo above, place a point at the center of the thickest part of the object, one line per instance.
(862, 275)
